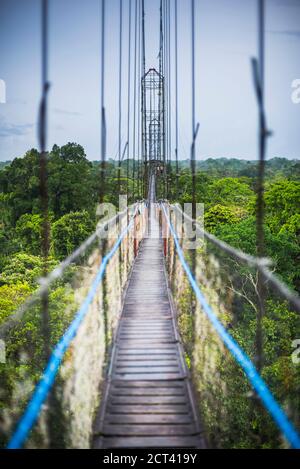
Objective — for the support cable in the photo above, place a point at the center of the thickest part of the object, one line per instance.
(176, 99)
(134, 98)
(166, 104)
(144, 130)
(169, 94)
(139, 134)
(128, 94)
(120, 90)
(103, 117)
(44, 197)
(193, 162)
(258, 74)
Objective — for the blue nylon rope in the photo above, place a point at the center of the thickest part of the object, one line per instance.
(44, 386)
(240, 356)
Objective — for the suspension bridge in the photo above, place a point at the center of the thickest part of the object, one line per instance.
(119, 376)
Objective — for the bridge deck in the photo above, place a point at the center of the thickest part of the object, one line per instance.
(148, 400)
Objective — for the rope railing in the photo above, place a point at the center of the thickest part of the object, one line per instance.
(43, 388)
(239, 355)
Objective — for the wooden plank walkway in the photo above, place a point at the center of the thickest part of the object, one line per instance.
(148, 400)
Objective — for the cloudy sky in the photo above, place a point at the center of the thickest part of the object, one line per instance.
(226, 108)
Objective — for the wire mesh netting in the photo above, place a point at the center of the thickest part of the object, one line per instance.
(232, 414)
(67, 416)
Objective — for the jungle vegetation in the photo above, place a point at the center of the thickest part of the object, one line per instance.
(225, 186)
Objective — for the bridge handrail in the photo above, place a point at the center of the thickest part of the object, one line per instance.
(46, 382)
(262, 264)
(256, 381)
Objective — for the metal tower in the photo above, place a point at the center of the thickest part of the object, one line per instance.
(153, 123)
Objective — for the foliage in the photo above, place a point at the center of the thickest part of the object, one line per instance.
(69, 232)
(11, 296)
(28, 233)
(24, 268)
(282, 202)
(219, 215)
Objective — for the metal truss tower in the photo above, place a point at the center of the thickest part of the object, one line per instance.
(153, 124)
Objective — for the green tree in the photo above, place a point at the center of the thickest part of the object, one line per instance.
(28, 232)
(20, 182)
(281, 247)
(24, 268)
(230, 191)
(70, 231)
(282, 201)
(11, 296)
(219, 215)
(70, 180)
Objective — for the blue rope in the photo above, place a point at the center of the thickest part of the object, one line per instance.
(240, 356)
(44, 386)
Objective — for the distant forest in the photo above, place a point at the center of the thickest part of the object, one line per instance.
(233, 167)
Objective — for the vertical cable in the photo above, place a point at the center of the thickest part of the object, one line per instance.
(193, 163)
(134, 100)
(44, 197)
(176, 97)
(139, 102)
(120, 91)
(145, 178)
(162, 73)
(103, 118)
(129, 94)
(166, 95)
(103, 158)
(169, 94)
(260, 236)
(43, 178)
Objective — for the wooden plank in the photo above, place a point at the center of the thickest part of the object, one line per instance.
(144, 359)
(130, 313)
(165, 352)
(149, 430)
(158, 384)
(141, 355)
(147, 400)
(146, 334)
(146, 327)
(159, 419)
(147, 324)
(164, 347)
(149, 409)
(147, 392)
(147, 361)
(146, 317)
(147, 376)
(146, 331)
(143, 340)
(146, 369)
(147, 442)
(138, 368)
(136, 302)
(140, 322)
